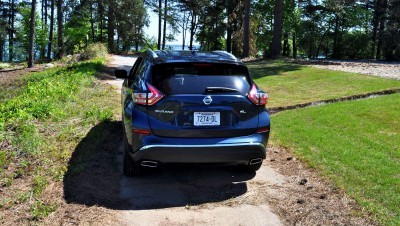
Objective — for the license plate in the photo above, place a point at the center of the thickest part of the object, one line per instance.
(206, 119)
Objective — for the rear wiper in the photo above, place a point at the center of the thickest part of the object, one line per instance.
(220, 89)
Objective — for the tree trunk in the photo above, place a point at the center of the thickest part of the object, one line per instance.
(32, 35)
(50, 43)
(277, 32)
(286, 48)
(43, 47)
(159, 24)
(2, 37)
(165, 24)
(375, 24)
(45, 12)
(110, 28)
(294, 45)
(1, 48)
(229, 39)
(246, 32)
(11, 30)
(383, 7)
(193, 25)
(229, 29)
(42, 12)
(60, 28)
(92, 22)
(101, 15)
(184, 24)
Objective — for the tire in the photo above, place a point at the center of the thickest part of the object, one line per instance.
(130, 167)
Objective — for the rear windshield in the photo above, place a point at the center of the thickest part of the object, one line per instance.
(199, 78)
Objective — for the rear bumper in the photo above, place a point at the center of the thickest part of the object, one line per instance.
(240, 154)
(238, 150)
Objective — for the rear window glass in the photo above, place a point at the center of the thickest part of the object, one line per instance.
(198, 78)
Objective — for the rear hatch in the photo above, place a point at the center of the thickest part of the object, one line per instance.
(202, 100)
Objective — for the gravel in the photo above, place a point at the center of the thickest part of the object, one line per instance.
(375, 68)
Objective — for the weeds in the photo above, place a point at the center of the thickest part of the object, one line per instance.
(41, 126)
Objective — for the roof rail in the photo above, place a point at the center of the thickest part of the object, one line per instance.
(153, 54)
(226, 54)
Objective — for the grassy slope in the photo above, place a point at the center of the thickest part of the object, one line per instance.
(40, 127)
(289, 84)
(357, 143)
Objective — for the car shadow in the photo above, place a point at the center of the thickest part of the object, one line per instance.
(94, 178)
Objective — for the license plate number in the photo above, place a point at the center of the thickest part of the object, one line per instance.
(206, 119)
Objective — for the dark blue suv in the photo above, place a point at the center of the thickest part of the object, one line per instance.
(192, 107)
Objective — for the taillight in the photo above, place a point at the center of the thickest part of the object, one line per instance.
(256, 97)
(142, 131)
(150, 98)
(262, 130)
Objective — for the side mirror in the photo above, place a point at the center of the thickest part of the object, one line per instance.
(121, 73)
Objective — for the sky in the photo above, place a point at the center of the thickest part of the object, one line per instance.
(152, 30)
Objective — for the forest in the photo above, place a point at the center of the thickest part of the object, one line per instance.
(43, 30)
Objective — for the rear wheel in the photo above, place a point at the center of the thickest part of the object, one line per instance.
(130, 167)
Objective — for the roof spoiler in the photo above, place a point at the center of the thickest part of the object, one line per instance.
(226, 54)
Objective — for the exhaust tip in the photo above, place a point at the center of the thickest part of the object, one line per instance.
(150, 164)
(255, 161)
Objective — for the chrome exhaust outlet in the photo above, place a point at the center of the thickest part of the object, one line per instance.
(255, 161)
(150, 164)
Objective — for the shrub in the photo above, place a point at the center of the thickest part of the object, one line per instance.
(94, 50)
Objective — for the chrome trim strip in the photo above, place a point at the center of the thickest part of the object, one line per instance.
(200, 146)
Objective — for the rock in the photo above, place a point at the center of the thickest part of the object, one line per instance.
(323, 196)
(49, 65)
(301, 201)
(303, 181)
(290, 158)
(310, 187)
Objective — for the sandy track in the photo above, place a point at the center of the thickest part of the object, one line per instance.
(380, 69)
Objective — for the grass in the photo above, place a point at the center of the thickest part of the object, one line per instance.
(290, 84)
(356, 143)
(41, 126)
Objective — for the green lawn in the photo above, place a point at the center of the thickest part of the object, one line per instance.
(290, 84)
(356, 143)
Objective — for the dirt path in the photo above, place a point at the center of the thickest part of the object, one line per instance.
(282, 192)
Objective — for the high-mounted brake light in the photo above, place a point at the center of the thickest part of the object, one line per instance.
(150, 98)
(258, 98)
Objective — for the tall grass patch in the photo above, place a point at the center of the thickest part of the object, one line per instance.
(356, 143)
(290, 84)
